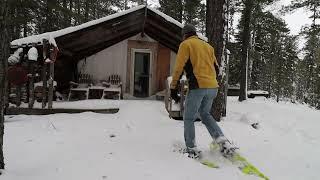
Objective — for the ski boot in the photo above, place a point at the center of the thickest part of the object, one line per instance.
(193, 153)
(227, 149)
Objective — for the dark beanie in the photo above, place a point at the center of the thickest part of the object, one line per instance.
(188, 29)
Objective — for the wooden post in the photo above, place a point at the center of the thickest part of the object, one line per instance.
(31, 84)
(51, 80)
(44, 85)
(44, 73)
(18, 93)
(53, 55)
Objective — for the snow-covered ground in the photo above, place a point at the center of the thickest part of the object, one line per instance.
(137, 143)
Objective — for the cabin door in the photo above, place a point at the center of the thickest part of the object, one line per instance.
(142, 75)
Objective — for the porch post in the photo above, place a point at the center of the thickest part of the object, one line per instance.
(44, 74)
(53, 56)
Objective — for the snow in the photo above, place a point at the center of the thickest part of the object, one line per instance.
(258, 92)
(33, 54)
(137, 143)
(52, 35)
(15, 57)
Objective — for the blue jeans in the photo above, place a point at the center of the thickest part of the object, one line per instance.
(199, 100)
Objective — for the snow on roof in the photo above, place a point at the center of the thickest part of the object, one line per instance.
(52, 35)
(58, 33)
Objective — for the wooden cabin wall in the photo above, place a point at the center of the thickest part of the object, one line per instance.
(163, 67)
(106, 62)
(173, 56)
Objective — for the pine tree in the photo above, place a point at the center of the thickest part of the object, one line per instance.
(4, 54)
(312, 65)
(217, 33)
(171, 8)
(245, 39)
(191, 11)
(309, 67)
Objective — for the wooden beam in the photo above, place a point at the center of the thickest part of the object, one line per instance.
(164, 39)
(82, 53)
(82, 35)
(104, 35)
(31, 111)
(174, 35)
(66, 52)
(44, 73)
(53, 55)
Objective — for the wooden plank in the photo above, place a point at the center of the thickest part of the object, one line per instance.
(31, 84)
(154, 33)
(103, 45)
(51, 80)
(163, 67)
(105, 25)
(19, 94)
(66, 52)
(108, 35)
(165, 36)
(98, 32)
(53, 55)
(44, 85)
(44, 73)
(31, 111)
(163, 30)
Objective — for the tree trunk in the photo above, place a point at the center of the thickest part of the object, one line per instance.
(71, 12)
(217, 33)
(86, 11)
(78, 3)
(4, 52)
(65, 20)
(180, 10)
(245, 47)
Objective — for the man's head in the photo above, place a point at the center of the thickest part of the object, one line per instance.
(188, 30)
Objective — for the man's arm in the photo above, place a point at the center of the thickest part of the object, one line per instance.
(181, 59)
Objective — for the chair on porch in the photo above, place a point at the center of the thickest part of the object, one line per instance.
(113, 87)
(80, 90)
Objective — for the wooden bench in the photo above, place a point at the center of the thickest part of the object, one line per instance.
(113, 87)
(80, 90)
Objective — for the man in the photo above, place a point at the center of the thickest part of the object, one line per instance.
(197, 59)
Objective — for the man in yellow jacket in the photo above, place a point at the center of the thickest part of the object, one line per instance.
(196, 57)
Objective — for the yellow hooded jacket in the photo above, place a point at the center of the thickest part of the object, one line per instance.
(197, 58)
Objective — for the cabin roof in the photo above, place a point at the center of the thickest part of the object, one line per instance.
(89, 38)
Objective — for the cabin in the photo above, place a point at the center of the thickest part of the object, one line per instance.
(138, 46)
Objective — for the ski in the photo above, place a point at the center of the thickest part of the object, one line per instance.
(242, 163)
(209, 163)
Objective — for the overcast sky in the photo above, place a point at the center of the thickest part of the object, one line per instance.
(296, 19)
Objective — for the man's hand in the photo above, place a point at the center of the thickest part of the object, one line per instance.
(174, 95)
